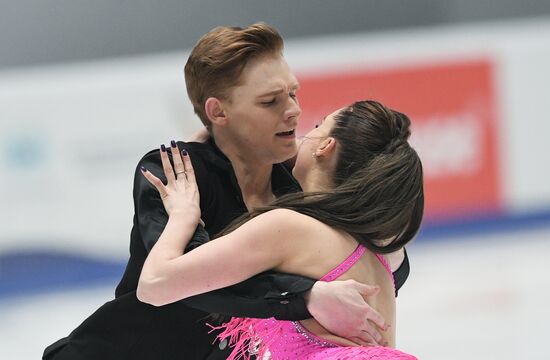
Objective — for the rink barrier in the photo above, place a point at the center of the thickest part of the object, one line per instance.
(30, 272)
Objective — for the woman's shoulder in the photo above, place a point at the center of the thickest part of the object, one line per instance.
(289, 217)
(287, 223)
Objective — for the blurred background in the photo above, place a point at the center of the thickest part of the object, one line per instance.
(86, 88)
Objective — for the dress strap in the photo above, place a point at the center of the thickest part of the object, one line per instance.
(387, 266)
(345, 265)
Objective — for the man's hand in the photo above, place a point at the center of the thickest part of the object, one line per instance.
(340, 307)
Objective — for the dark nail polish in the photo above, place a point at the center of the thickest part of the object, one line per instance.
(163, 148)
(184, 152)
(143, 168)
(173, 143)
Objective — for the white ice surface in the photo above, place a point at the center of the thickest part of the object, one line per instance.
(480, 297)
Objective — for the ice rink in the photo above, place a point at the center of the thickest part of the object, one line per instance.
(87, 88)
(481, 296)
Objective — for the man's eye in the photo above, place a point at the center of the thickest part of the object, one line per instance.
(271, 102)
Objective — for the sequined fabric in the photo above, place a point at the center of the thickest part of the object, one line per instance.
(289, 340)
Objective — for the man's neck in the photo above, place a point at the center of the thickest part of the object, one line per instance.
(253, 175)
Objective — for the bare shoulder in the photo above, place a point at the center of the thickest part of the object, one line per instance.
(306, 246)
(279, 226)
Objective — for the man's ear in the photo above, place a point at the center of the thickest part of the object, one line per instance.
(215, 111)
(326, 147)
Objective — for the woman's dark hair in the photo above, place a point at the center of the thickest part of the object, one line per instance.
(378, 194)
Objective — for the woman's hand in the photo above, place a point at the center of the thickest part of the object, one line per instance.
(180, 195)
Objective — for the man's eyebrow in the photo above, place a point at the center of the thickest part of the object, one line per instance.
(276, 91)
(272, 92)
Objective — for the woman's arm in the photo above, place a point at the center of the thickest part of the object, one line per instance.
(247, 251)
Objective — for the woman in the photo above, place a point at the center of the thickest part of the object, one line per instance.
(363, 196)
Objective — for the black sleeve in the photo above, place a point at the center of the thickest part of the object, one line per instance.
(150, 216)
(269, 294)
(402, 273)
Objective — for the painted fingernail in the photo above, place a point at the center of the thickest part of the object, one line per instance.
(184, 152)
(173, 143)
(163, 148)
(142, 168)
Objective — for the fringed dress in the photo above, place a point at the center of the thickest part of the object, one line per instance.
(289, 340)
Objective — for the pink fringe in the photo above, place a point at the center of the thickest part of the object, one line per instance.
(250, 337)
(247, 338)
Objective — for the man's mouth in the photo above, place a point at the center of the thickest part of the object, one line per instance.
(286, 133)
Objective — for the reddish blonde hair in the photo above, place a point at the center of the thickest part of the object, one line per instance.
(219, 57)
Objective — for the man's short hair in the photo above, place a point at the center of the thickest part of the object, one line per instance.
(219, 57)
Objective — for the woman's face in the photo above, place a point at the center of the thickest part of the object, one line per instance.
(263, 111)
(308, 145)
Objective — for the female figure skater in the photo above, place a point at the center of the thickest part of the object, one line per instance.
(363, 197)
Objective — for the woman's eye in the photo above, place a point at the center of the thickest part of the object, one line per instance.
(292, 95)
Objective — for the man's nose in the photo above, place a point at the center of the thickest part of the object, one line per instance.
(293, 110)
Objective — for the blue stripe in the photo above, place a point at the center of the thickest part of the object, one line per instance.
(483, 224)
(27, 273)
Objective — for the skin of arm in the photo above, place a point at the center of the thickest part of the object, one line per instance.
(259, 245)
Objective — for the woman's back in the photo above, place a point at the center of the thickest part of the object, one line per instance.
(320, 252)
(321, 249)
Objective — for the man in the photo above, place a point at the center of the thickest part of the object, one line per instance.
(244, 93)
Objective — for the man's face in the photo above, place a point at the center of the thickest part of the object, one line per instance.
(263, 110)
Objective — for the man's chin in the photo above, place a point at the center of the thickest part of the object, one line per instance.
(288, 154)
(289, 163)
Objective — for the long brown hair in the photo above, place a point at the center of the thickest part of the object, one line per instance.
(378, 194)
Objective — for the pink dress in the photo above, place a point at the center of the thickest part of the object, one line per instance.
(289, 340)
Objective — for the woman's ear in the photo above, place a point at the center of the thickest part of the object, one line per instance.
(215, 111)
(326, 147)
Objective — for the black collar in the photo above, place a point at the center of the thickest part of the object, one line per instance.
(282, 181)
